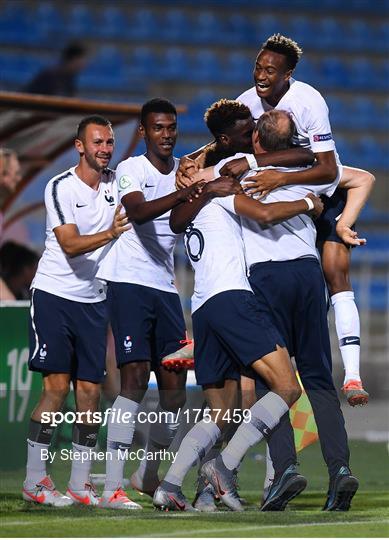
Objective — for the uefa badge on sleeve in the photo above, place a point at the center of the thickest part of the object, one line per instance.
(124, 182)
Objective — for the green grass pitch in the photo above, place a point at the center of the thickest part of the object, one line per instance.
(368, 517)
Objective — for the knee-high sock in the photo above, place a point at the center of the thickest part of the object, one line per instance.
(160, 437)
(38, 442)
(348, 330)
(36, 466)
(265, 415)
(119, 438)
(84, 443)
(193, 448)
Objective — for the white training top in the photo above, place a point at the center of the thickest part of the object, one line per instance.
(144, 254)
(309, 111)
(70, 200)
(215, 249)
(290, 239)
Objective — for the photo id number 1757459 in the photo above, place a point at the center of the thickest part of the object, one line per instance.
(236, 416)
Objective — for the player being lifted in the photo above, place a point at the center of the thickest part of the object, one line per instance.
(275, 88)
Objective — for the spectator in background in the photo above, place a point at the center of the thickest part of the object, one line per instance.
(18, 265)
(60, 80)
(10, 174)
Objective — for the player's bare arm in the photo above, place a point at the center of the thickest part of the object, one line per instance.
(324, 171)
(293, 157)
(359, 185)
(184, 213)
(73, 243)
(281, 158)
(141, 211)
(271, 213)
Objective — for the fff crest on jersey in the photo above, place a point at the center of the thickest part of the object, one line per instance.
(109, 198)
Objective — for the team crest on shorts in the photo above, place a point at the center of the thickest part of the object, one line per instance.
(43, 352)
(127, 344)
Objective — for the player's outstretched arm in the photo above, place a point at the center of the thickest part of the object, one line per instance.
(324, 171)
(141, 211)
(73, 243)
(184, 213)
(272, 213)
(293, 157)
(359, 185)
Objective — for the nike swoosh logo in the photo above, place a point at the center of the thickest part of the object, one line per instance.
(179, 505)
(80, 205)
(351, 341)
(148, 185)
(38, 499)
(81, 500)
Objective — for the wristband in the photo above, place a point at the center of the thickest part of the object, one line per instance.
(252, 161)
(309, 202)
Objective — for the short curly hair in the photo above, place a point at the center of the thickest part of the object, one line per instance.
(156, 105)
(223, 114)
(286, 46)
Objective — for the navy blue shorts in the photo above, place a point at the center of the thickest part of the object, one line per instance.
(231, 331)
(294, 291)
(67, 336)
(147, 323)
(326, 223)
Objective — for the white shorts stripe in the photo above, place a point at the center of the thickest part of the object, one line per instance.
(32, 313)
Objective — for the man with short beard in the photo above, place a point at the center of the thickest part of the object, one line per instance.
(68, 324)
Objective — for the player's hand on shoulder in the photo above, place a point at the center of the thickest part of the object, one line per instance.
(318, 206)
(348, 236)
(187, 168)
(120, 222)
(263, 182)
(235, 167)
(224, 186)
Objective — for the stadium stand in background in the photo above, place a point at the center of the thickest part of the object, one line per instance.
(197, 53)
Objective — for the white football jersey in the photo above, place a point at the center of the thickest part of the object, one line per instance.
(144, 254)
(69, 200)
(215, 249)
(290, 239)
(309, 111)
